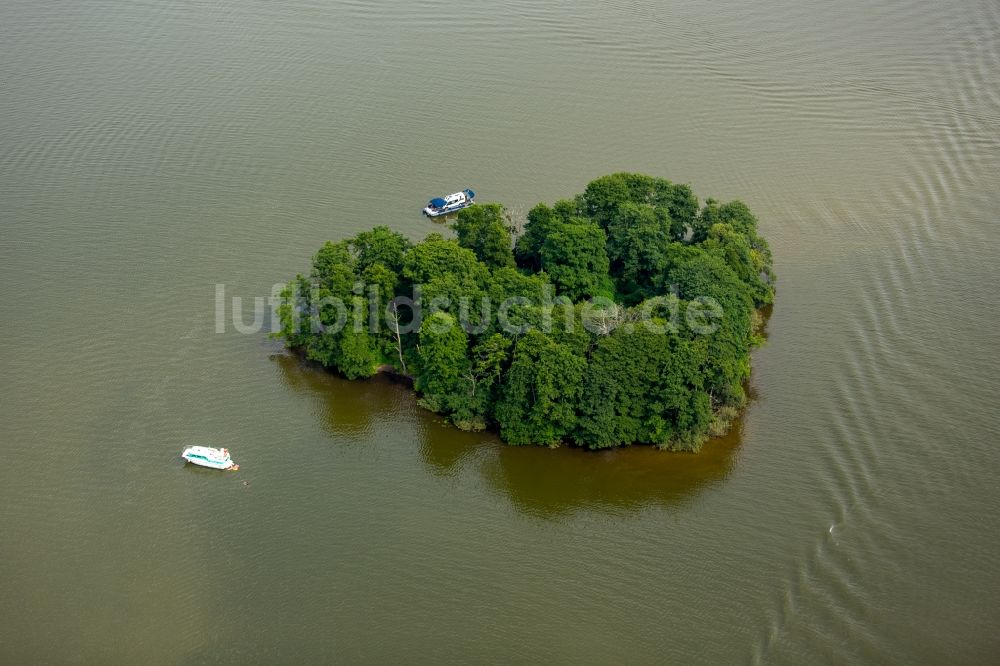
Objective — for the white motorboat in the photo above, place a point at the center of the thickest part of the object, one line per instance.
(449, 204)
(206, 456)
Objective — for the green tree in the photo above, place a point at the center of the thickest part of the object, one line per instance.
(384, 280)
(483, 229)
(739, 244)
(489, 359)
(644, 387)
(508, 282)
(334, 269)
(293, 313)
(696, 274)
(604, 195)
(541, 391)
(444, 363)
(323, 348)
(542, 222)
(638, 238)
(447, 274)
(436, 256)
(357, 354)
(380, 245)
(735, 213)
(749, 264)
(576, 259)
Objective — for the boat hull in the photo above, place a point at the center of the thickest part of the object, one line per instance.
(229, 464)
(439, 212)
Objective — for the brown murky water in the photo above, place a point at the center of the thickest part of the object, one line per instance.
(151, 151)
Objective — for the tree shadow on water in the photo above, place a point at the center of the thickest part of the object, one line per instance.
(344, 407)
(547, 483)
(552, 483)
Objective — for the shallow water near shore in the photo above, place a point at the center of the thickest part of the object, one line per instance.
(149, 152)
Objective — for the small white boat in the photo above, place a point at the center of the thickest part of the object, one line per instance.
(206, 456)
(449, 204)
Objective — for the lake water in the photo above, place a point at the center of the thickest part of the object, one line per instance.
(152, 150)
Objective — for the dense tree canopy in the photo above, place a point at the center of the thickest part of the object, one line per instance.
(483, 229)
(624, 315)
(575, 256)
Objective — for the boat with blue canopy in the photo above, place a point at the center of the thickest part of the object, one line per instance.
(449, 204)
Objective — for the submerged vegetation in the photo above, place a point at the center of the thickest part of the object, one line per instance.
(624, 315)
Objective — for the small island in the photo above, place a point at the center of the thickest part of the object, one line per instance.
(625, 315)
